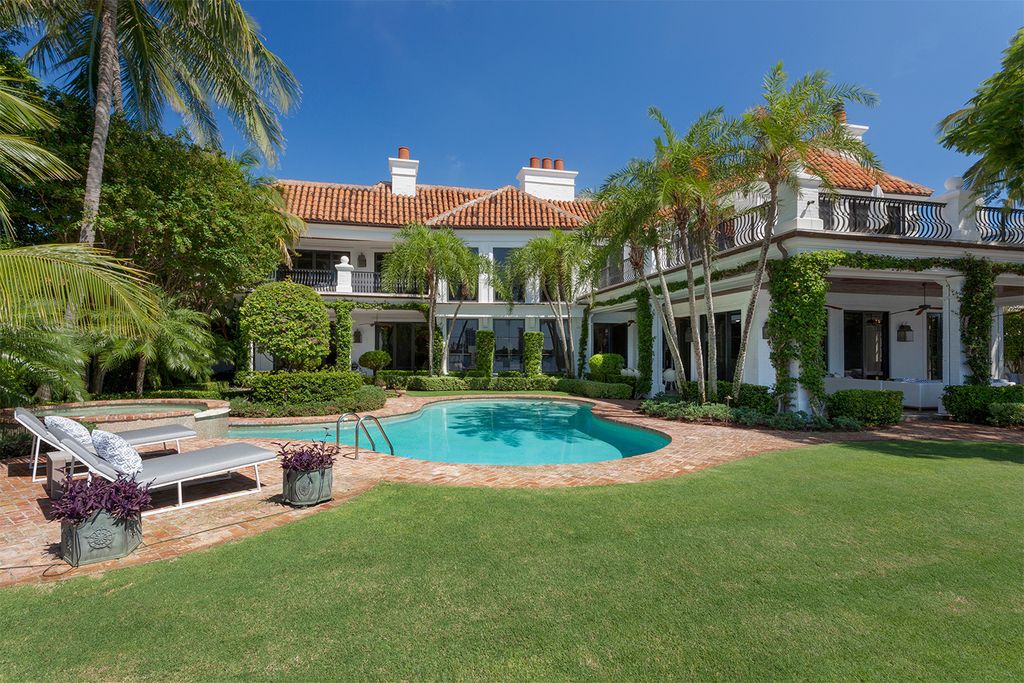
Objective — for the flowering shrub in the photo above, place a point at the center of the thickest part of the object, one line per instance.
(307, 457)
(124, 499)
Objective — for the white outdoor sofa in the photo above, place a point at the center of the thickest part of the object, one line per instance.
(178, 469)
(148, 436)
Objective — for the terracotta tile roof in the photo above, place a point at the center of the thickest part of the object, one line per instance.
(849, 175)
(506, 207)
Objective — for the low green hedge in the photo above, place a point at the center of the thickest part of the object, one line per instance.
(535, 383)
(396, 379)
(754, 396)
(607, 367)
(440, 383)
(970, 402)
(870, 407)
(324, 386)
(673, 408)
(362, 399)
(1006, 414)
(202, 394)
(15, 441)
(592, 389)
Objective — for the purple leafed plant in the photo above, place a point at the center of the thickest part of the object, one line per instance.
(124, 499)
(307, 457)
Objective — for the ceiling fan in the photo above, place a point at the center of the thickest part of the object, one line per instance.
(925, 306)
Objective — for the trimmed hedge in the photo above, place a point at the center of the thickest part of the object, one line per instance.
(535, 383)
(440, 383)
(868, 406)
(1007, 414)
(533, 348)
(971, 402)
(396, 379)
(607, 367)
(754, 396)
(288, 321)
(375, 361)
(670, 407)
(485, 352)
(203, 394)
(592, 389)
(325, 386)
(362, 399)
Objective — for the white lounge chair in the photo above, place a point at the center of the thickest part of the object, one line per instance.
(178, 469)
(147, 436)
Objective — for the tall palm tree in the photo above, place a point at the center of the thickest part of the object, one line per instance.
(632, 218)
(145, 55)
(423, 259)
(558, 263)
(785, 135)
(179, 340)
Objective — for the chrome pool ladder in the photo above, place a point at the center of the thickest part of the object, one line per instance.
(359, 422)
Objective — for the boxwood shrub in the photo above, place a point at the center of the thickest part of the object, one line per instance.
(971, 402)
(754, 396)
(1007, 414)
(607, 367)
(592, 389)
(324, 386)
(362, 399)
(870, 407)
(535, 383)
(396, 379)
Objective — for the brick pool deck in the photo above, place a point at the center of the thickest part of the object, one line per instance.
(28, 540)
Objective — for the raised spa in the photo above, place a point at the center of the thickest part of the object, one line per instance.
(490, 432)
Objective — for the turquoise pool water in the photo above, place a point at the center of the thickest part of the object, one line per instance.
(489, 432)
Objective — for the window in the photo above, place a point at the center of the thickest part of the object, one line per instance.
(456, 293)
(508, 344)
(934, 346)
(501, 255)
(313, 259)
(612, 338)
(866, 344)
(462, 345)
(406, 342)
(727, 332)
(552, 360)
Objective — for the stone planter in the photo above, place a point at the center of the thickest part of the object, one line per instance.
(303, 489)
(98, 538)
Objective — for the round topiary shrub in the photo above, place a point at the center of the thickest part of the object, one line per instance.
(375, 360)
(606, 367)
(288, 321)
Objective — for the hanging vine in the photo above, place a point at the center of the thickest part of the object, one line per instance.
(581, 353)
(645, 340)
(343, 324)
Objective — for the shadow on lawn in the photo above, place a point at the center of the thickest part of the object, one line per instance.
(941, 450)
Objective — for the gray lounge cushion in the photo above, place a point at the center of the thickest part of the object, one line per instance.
(73, 429)
(166, 469)
(118, 452)
(88, 457)
(151, 435)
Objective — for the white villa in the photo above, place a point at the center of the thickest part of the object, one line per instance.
(887, 328)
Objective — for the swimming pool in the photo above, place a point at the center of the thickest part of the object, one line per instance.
(490, 432)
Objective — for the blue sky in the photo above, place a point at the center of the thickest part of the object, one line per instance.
(476, 88)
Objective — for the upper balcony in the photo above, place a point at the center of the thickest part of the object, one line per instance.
(324, 280)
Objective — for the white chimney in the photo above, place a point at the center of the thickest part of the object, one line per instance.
(547, 180)
(856, 131)
(403, 173)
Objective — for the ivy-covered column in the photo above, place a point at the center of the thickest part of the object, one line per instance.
(657, 380)
(954, 370)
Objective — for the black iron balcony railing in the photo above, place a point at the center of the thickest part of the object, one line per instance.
(999, 225)
(615, 273)
(320, 280)
(884, 216)
(747, 228)
(368, 282)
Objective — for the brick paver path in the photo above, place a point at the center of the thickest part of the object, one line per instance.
(28, 540)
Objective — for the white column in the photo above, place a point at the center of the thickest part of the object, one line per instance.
(997, 343)
(798, 207)
(344, 269)
(954, 370)
(657, 382)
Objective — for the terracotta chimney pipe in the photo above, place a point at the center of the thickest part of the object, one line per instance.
(840, 113)
(403, 152)
(545, 162)
(559, 165)
(534, 162)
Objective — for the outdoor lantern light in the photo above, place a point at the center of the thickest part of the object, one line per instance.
(361, 261)
(357, 336)
(905, 333)
(764, 330)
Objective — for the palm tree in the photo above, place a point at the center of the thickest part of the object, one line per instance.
(422, 259)
(34, 355)
(179, 340)
(145, 55)
(785, 135)
(632, 217)
(558, 263)
(991, 125)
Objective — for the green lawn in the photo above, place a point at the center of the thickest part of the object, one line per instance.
(899, 561)
(483, 392)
